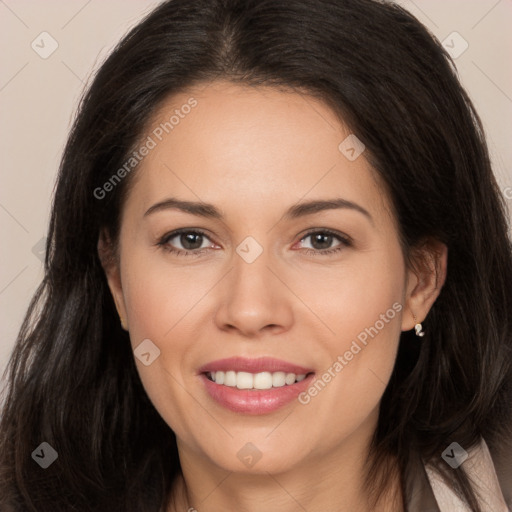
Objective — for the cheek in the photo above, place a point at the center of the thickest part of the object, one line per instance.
(162, 305)
(158, 296)
(370, 324)
(352, 297)
(362, 307)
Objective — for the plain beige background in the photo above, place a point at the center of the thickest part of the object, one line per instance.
(38, 97)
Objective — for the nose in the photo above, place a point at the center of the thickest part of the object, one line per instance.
(254, 299)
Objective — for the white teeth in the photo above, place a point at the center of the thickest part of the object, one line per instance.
(230, 379)
(278, 379)
(244, 380)
(290, 378)
(262, 380)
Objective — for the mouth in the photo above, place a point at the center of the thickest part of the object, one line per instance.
(254, 386)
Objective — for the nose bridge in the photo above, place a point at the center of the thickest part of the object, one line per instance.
(253, 297)
(251, 274)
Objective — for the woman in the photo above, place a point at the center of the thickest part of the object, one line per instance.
(277, 277)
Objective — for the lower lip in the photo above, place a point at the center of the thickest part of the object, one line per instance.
(253, 401)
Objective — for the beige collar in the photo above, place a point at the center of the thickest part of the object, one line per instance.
(480, 468)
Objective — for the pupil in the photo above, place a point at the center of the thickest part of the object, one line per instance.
(187, 240)
(323, 240)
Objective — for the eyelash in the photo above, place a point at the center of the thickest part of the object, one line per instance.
(163, 242)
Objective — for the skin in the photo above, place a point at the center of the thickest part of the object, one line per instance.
(253, 153)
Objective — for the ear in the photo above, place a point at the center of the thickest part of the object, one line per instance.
(110, 263)
(425, 279)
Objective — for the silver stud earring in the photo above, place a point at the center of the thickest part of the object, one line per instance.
(418, 327)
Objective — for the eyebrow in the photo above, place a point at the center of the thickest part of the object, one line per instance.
(208, 210)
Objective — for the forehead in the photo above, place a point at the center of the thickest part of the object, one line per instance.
(244, 146)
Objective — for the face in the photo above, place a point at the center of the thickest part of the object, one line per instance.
(273, 316)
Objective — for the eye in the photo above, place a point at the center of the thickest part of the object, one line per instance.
(193, 242)
(322, 240)
(185, 242)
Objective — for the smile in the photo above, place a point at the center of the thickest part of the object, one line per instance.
(254, 386)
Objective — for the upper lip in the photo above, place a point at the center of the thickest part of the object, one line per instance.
(257, 365)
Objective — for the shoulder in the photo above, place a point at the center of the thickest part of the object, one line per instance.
(492, 482)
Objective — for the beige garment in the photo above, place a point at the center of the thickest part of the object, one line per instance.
(480, 468)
